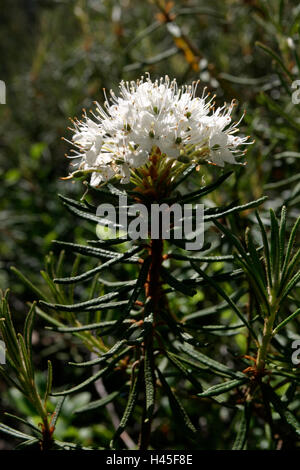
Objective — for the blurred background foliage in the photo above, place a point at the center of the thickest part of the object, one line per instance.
(56, 57)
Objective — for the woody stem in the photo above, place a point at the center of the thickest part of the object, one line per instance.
(267, 336)
(152, 291)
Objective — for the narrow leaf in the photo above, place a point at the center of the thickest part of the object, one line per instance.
(57, 411)
(176, 405)
(281, 408)
(226, 297)
(206, 189)
(287, 320)
(13, 432)
(207, 361)
(276, 57)
(28, 283)
(49, 382)
(233, 210)
(82, 305)
(91, 273)
(132, 398)
(282, 235)
(222, 388)
(149, 382)
(94, 405)
(184, 175)
(177, 285)
(89, 327)
(241, 438)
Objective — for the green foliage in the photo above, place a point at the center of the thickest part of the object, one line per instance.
(210, 366)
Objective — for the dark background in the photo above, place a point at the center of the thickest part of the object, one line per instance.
(57, 55)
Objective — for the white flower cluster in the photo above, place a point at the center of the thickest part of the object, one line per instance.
(149, 115)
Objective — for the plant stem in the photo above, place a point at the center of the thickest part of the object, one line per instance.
(152, 291)
(267, 336)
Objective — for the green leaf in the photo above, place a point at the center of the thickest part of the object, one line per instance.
(189, 362)
(241, 438)
(215, 309)
(219, 330)
(55, 291)
(107, 193)
(254, 257)
(282, 235)
(89, 327)
(8, 329)
(226, 297)
(285, 321)
(28, 283)
(60, 262)
(28, 328)
(88, 250)
(184, 175)
(94, 405)
(13, 432)
(275, 248)
(289, 249)
(103, 358)
(72, 202)
(289, 287)
(215, 210)
(283, 182)
(223, 387)
(245, 260)
(266, 249)
(139, 286)
(287, 154)
(207, 361)
(28, 443)
(233, 239)
(49, 382)
(176, 405)
(57, 411)
(132, 398)
(25, 358)
(107, 306)
(275, 107)
(292, 265)
(276, 57)
(203, 259)
(9, 379)
(115, 191)
(70, 446)
(48, 318)
(36, 430)
(91, 273)
(205, 190)
(93, 378)
(83, 214)
(84, 384)
(177, 285)
(281, 11)
(285, 414)
(82, 306)
(233, 210)
(149, 376)
(109, 241)
(176, 360)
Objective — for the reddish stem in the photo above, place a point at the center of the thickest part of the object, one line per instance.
(152, 291)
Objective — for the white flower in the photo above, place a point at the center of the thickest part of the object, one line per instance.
(147, 116)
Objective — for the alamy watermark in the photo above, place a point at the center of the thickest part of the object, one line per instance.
(296, 353)
(296, 93)
(2, 353)
(2, 92)
(138, 221)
